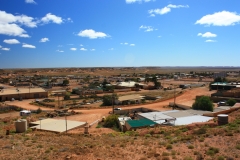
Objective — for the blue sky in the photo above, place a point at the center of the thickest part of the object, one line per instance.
(112, 33)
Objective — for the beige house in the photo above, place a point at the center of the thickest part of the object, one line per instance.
(128, 99)
(22, 93)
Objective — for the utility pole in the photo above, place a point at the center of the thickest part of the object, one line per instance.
(66, 122)
(58, 101)
(113, 103)
(174, 105)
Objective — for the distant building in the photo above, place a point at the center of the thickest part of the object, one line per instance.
(220, 74)
(136, 98)
(130, 84)
(22, 93)
(224, 86)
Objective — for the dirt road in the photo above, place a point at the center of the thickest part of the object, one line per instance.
(91, 115)
(187, 99)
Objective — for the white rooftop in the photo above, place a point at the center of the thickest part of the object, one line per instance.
(126, 84)
(155, 116)
(191, 119)
(181, 117)
(56, 125)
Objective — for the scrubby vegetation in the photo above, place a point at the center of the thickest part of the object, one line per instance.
(164, 142)
(203, 103)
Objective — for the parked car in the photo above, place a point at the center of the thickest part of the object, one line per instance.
(117, 109)
(222, 103)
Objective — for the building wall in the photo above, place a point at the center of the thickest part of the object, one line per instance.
(128, 127)
(24, 96)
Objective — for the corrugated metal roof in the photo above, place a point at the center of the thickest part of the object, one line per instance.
(191, 119)
(179, 114)
(198, 112)
(140, 123)
(155, 116)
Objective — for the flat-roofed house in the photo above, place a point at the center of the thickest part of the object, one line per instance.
(22, 93)
(135, 98)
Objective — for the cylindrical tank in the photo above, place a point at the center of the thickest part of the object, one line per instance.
(222, 119)
(21, 126)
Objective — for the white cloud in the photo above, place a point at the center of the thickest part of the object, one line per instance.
(0, 46)
(90, 33)
(27, 21)
(177, 6)
(111, 49)
(207, 35)
(28, 46)
(59, 51)
(81, 45)
(9, 24)
(146, 28)
(12, 30)
(60, 45)
(44, 40)
(128, 44)
(52, 18)
(83, 49)
(69, 20)
(152, 15)
(6, 49)
(159, 36)
(140, 1)
(132, 1)
(161, 11)
(24, 36)
(30, 1)
(7, 18)
(209, 40)
(11, 41)
(93, 49)
(224, 18)
(73, 49)
(165, 10)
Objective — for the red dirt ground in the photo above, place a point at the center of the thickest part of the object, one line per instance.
(91, 115)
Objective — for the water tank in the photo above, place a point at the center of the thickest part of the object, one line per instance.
(222, 119)
(21, 126)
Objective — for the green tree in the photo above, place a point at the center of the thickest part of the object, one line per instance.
(219, 79)
(111, 121)
(5, 80)
(203, 103)
(67, 96)
(39, 110)
(109, 88)
(231, 102)
(108, 99)
(157, 84)
(65, 82)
